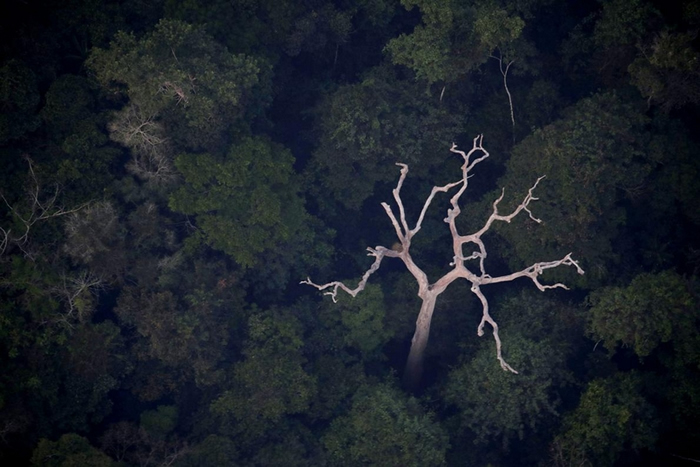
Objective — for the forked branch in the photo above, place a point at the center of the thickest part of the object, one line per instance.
(378, 252)
(429, 292)
(39, 207)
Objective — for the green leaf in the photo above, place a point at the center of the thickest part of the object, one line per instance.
(384, 427)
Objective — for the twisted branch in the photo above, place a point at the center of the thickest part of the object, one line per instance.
(428, 292)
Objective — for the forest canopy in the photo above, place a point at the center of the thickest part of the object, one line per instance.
(171, 172)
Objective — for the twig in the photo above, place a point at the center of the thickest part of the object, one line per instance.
(505, 85)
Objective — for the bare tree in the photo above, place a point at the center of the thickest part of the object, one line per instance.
(428, 292)
(150, 150)
(39, 206)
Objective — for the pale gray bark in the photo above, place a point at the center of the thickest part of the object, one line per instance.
(429, 292)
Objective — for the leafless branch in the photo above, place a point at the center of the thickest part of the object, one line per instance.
(429, 292)
(486, 318)
(74, 288)
(505, 85)
(150, 149)
(4, 240)
(39, 207)
(690, 459)
(495, 216)
(136, 130)
(406, 234)
(176, 90)
(378, 252)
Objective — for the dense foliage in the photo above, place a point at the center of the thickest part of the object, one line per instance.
(171, 171)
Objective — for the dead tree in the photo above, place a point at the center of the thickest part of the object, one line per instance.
(39, 207)
(477, 276)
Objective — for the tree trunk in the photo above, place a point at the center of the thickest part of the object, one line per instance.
(414, 365)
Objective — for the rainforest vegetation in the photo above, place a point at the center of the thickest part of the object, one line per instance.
(176, 176)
